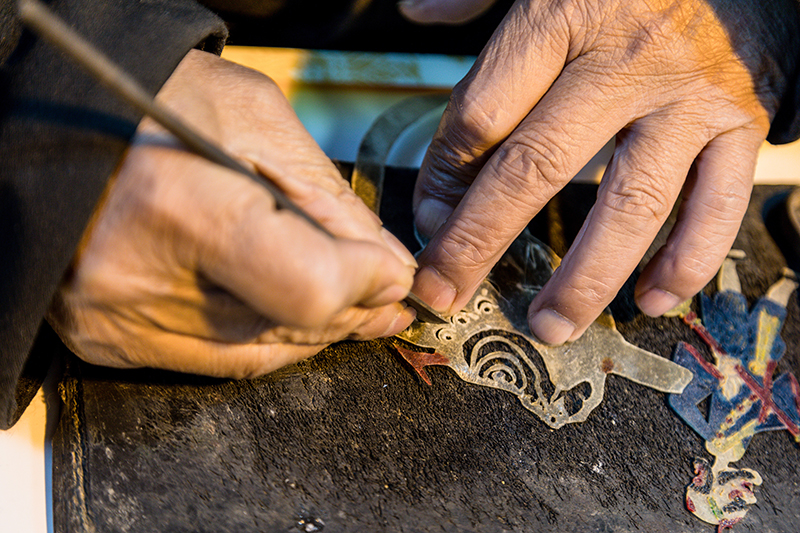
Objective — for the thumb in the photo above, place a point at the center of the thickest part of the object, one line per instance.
(443, 11)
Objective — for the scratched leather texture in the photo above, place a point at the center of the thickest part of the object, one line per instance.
(352, 440)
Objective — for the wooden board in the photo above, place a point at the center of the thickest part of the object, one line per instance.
(352, 441)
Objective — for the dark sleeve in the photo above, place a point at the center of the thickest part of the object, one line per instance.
(781, 43)
(785, 126)
(61, 137)
(766, 36)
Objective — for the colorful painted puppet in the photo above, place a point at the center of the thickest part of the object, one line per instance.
(745, 399)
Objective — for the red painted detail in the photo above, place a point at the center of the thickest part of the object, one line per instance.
(764, 393)
(692, 321)
(419, 360)
(690, 505)
(795, 391)
(728, 523)
(768, 375)
(708, 367)
(734, 494)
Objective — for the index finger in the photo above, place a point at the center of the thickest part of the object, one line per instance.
(567, 127)
(507, 80)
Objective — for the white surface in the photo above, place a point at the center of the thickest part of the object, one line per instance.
(339, 117)
(23, 501)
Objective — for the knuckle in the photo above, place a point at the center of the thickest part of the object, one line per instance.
(689, 272)
(470, 250)
(579, 297)
(532, 160)
(648, 36)
(660, 35)
(470, 128)
(726, 204)
(266, 94)
(477, 120)
(697, 267)
(639, 198)
(449, 166)
(589, 292)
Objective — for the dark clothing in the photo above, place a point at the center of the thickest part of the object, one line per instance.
(62, 135)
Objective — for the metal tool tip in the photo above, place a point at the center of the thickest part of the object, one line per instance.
(425, 313)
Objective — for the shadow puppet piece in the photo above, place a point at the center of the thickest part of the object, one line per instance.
(744, 398)
(488, 343)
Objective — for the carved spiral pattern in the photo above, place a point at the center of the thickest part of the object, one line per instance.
(501, 360)
(503, 368)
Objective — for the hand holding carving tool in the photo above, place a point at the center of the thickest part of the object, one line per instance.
(40, 19)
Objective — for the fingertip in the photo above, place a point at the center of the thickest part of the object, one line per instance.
(551, 327)
(655, 302)
(434, 289)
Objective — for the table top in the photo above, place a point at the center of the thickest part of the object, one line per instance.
(336, 95)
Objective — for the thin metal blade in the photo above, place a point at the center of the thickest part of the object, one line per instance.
(424, 311)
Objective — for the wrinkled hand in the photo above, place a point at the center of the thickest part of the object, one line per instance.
(557, 81)
(188, 266)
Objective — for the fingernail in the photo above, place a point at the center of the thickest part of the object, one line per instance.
(430, 215)
(656, 302)
(399, 250)
(401, 322)
(434, 289)
(551, 327)
(389, 295)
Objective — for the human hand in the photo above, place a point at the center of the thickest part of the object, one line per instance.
(188, 266)
(443, 11)
(554, 84)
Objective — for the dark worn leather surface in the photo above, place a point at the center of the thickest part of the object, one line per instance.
(351, 440)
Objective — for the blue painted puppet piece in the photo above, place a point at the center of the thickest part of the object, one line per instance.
(745, 399)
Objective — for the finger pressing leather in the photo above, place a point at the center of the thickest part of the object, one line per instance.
(635, 197)
(568, 126)
(707, 224)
